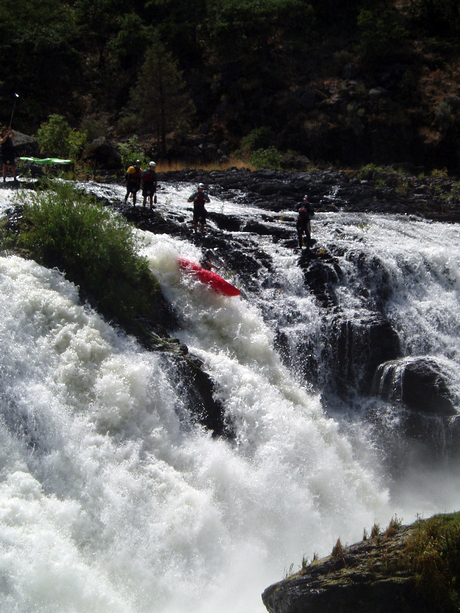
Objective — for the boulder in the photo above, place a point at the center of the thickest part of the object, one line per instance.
(25, 145)
(419, 383)
(102, 154)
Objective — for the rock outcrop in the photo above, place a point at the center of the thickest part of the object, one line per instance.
(367, 577)
(25, 145)
(417, 382)
(102, 154)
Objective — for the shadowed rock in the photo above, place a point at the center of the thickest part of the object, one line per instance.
(418, 383)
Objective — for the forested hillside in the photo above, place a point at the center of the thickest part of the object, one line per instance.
(362, 81)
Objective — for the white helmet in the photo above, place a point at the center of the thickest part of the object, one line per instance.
(152, 164)
(200, 185)
(305, 197)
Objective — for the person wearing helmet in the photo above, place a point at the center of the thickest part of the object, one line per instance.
(207, 260)
(306, 212)
(133, 180)
(149, 184)
(199, 199)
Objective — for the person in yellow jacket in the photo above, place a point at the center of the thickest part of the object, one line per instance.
(133, 181)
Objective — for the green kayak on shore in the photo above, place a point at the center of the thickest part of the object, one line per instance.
(45, 160)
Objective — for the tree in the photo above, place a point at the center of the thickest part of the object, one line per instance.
(159, 98)
(39, 57)
(55, 137)
(382, 36)
(436, 17)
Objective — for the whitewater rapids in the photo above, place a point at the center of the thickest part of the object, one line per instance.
(110, 501)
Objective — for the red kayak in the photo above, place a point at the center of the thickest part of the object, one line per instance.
(211, 278)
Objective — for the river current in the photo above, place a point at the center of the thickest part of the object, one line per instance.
(111, 501)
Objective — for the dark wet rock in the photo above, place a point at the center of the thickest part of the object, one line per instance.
(198, 392)
(331, 190)
(258, 228)
(418, 383)
(356, 349)
(230, 223)
(321, 276)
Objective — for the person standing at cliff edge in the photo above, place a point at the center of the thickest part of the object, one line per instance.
(7, 153)
(306, 212)
(199, 198)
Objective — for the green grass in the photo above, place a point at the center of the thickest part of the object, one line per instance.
(96, 249)
(433, 553)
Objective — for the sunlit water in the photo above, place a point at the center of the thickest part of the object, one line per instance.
(109, 502)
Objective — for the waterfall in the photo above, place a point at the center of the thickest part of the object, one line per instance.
(111, 500)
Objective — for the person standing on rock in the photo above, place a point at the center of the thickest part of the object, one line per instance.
(7, 153)
(199, 199)
(133, 181)
(149, 184)
(306, 212)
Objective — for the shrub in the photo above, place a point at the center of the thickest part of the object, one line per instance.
(266, 158)
(259, 138)
(94, 247)
(370, 171)
(382, 36)
(131, 151)
(433, 553)
(56, 138)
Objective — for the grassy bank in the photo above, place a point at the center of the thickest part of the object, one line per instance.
(95, 248)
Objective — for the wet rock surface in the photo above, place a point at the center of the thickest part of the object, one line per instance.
(331, 190)
(418, 383)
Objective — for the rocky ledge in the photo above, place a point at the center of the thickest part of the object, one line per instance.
(406, 569)
(354, 579)
(371, 190)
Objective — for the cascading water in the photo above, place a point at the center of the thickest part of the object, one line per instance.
(110, 501)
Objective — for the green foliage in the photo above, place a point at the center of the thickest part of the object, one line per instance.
(375, 531)
(393, 527)
(266, 158)
(159, 98)
(179, 27)
(96, 249)
(382, 36)
(131, 151)
(241, 30)
(443, 116)
(337, 550)
(56, 138)
(433, 553)
(39, 55)
(131, 40)
(439, 173)
(370, 171)
(259, 138)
